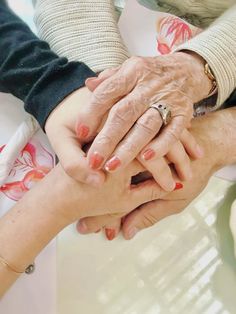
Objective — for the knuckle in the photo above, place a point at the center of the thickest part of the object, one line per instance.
(125, 112)
(70, 168)
(138, 63)
(149, 220)
(97, 99)
(173, 134)
(130, 149)
(104, 140)
(148, 123)
(155, 194)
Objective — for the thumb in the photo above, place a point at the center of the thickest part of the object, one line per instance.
(92, 224)
(148, 215)
(93, 82)
(145, 192)
(73, 159)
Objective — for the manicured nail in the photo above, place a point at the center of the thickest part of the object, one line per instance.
(148, 154)
(82, 131)
(82, 227)
(132, 232)
(96, 160)
(110, 234)
(94, 180)
(113, 164)
(178, 186)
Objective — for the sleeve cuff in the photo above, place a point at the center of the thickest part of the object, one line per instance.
(217, 45)
(54, 86)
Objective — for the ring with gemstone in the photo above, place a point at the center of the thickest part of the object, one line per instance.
(164, 112)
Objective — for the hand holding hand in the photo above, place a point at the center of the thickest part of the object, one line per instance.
(60, 129)
(177, 80)
(209, 131)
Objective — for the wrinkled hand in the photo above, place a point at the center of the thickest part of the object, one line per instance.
(207, 131)
(177, 80)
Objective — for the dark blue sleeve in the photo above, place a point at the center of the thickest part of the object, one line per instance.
(31, 71)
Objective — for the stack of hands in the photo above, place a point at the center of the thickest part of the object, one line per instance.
(137, 170)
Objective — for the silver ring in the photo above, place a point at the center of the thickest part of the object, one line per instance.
(164, 111)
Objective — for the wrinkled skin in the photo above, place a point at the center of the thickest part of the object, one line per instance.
(210, 131)
(126, 93)
(177, 80)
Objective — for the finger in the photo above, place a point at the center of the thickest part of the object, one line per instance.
(161, 145)
(144, 192)
(120, 120)
(178, 156)
(103, 98)
(112, 229)
(191, 146)
(93, 82)
(92, 224)
(73, 160)
(161, 172)
(143, 131)
(149, 214)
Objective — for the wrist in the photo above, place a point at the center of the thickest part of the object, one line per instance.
(216, 134)
(200, 85)
(65, 192)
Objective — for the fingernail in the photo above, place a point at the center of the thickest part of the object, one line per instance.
(90, 79)
(82, 227)
(132, 232)
(113, 164)
(94, 180)
(97, 231)
(96, 160)
(200, 151)
(110, 234)
(178, 186)
(82, 131)
(148, 154)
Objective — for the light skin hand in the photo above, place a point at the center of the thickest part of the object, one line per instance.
(214, 131)
(60, 129)
(29, 226)
(128, 93)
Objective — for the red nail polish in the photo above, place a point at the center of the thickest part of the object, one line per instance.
(82, 131)
(178, 186)
(96, 160)
(113, 164)
(148, 154)
(110, 234)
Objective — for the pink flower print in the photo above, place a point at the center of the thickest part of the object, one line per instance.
(172, 31)
(31, 166)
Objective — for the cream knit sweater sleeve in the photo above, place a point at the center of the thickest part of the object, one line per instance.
(82, 30)
(217, 45)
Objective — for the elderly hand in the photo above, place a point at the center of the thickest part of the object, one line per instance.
(212, 131)
(176, 80)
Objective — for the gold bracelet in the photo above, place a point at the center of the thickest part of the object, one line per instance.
(10, 267)
(211, 76)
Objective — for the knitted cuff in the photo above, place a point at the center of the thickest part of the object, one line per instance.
(217, 45)
(82, 30)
